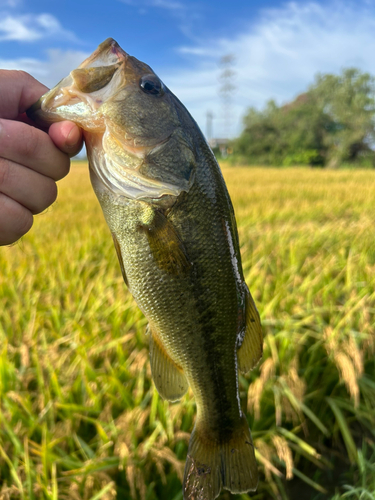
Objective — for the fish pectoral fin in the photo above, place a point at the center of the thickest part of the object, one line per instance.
(165, 245)
(251, 349)
(169, 379)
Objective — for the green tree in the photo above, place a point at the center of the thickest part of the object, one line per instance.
(330, 124)
(258, 142)
(349, 99)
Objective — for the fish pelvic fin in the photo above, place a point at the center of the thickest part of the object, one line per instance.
(211, 466)
(169, 379)
(251, 349)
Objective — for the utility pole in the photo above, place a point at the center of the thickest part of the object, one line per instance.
(209, 118)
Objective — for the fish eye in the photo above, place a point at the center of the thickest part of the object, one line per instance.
(150, 84)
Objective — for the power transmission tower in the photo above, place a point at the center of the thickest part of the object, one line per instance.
(226, 89)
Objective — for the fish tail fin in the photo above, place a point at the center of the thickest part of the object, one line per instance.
(229, 464)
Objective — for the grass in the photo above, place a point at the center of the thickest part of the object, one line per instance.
(79, 416)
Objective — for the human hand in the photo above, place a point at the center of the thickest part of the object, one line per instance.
(31, 160)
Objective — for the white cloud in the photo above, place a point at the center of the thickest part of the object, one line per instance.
(32, 66)
(164, 4)
(277, 57)
(184, 13)
(198, 51)
(167, 4)
(58, 64)
(30, 27)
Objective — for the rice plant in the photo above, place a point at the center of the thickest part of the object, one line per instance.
(79, 416)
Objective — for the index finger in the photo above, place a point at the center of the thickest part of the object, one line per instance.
(33, 148)
(19, 91)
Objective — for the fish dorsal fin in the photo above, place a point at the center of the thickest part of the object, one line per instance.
(251, 349)
(169, 379)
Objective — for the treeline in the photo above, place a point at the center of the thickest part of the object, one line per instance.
(329, 125)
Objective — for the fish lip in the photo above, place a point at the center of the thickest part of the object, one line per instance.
(109, 45)
(39, 116)
(32, 112)
(99, 57)
(37, 113)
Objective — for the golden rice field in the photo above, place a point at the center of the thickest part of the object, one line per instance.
(79, 416)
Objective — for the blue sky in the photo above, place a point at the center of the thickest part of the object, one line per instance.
(278, 46)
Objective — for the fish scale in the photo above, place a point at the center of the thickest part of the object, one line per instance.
(174, 230)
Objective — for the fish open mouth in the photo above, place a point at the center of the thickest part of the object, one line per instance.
(127, 119)
(109, 52)
(83, 91)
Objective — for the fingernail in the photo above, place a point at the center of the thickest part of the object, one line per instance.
(72, 138)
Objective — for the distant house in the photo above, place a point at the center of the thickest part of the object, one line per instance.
(220, 146)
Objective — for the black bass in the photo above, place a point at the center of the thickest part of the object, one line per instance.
(174, 230)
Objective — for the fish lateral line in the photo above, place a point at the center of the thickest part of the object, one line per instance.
(174, 231)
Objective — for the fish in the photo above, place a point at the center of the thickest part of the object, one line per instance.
(174, 230)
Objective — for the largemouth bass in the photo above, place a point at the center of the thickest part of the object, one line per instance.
(174, 230)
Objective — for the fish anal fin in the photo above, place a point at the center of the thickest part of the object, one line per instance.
(168, 378)
(212, 465)
(119, 256)
(251, 348)
(165, 245)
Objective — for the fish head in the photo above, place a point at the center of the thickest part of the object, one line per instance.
(133, 125)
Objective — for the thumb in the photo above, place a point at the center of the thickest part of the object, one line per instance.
(67, 137)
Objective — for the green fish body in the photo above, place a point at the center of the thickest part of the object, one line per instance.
(174, 230)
